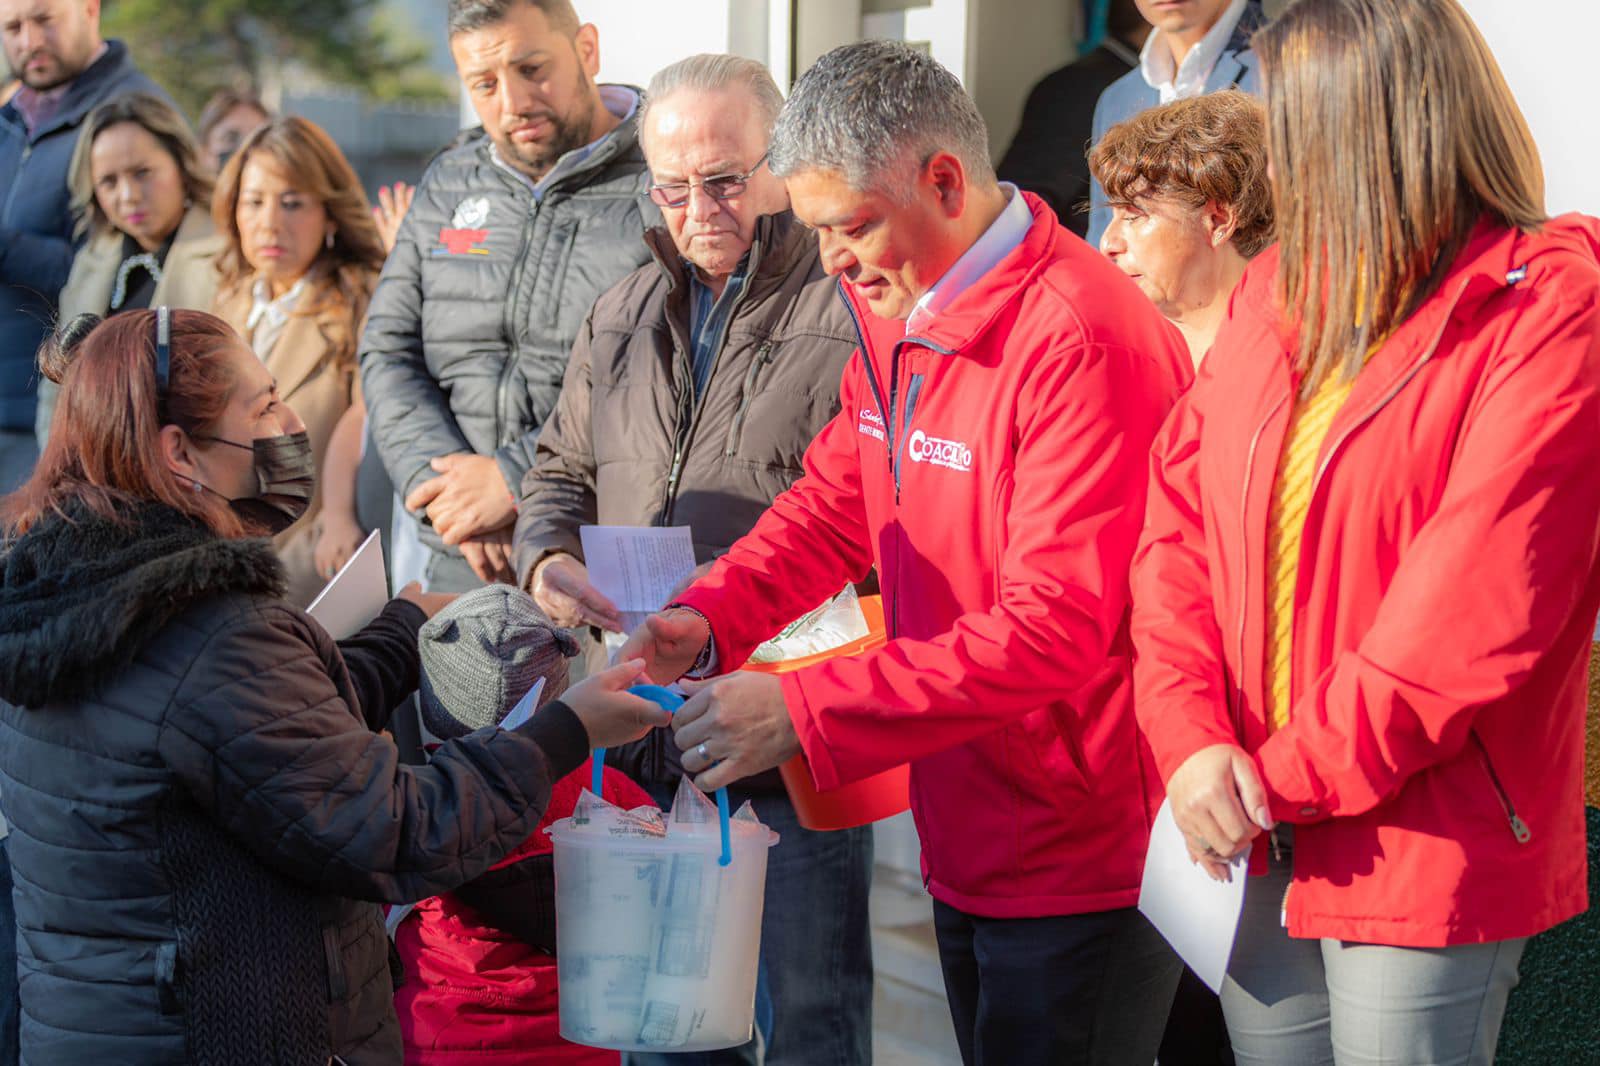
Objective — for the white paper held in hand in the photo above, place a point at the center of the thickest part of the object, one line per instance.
(637, 567)
(356, 594)
(524, 708)
(396, 915)
(1198, 916)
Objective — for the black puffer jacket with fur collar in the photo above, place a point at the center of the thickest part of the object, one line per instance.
(199, 801)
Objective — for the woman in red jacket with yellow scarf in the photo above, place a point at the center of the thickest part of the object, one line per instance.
(1365, 590)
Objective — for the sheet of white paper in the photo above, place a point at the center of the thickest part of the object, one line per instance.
(637, 568)
(1198, 916)
(613, 642)
(524, 708)
(396, 915)
(356, 594)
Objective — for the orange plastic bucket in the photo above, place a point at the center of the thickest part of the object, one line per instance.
(860, 802)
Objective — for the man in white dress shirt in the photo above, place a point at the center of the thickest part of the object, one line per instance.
(1196, 47)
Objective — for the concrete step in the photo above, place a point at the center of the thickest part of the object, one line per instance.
(911, 1021)
(910, 1027)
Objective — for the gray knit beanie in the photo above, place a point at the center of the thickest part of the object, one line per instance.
(482, 654)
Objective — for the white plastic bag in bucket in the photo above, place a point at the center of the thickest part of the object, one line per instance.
(838, 621)
(657, 944)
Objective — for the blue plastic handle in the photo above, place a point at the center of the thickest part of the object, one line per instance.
(670, 701)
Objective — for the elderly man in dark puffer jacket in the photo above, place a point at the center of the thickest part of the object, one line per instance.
(693, 392)
(506, 246)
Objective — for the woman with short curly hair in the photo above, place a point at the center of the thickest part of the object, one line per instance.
(1190, 204)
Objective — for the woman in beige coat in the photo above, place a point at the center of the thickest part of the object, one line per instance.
(143, 200)
(301, 257)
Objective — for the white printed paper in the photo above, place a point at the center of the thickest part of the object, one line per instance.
(524, 708)
(397, 914)
(356, 594)
(1198, 916)
(637, 567)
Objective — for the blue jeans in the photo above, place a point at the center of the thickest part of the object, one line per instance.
(9, 1004)
(449, 573)
(814, 997)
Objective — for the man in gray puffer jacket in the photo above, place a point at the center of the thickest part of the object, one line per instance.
(506, 246)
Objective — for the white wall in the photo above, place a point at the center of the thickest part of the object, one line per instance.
(1009, 47)
(1546, 51)
(639, 37)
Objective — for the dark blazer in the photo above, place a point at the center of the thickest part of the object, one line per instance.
(1050, 153)
(36, 244)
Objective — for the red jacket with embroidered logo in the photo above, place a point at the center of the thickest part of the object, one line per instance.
(1445, 599)
(993, 469)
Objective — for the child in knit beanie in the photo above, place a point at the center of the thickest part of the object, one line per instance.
(480, 986)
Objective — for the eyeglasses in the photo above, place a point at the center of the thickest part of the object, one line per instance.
(722, 187)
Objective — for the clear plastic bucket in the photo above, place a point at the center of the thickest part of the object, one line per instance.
(656, 943)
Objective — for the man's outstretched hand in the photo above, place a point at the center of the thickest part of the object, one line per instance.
(669, 642)
(733, 727)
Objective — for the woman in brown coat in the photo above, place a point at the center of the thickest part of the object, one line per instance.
(301, 260)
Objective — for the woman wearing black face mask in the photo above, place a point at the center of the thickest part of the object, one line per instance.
(197, 792)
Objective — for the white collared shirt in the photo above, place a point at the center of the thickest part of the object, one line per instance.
(998, 241)
(620, 100)
(1155, 60)
(264, 324)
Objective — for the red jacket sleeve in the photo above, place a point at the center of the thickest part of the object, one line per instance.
(1178, 673)
(1483, 592)
(1085, 421)
(809, 544)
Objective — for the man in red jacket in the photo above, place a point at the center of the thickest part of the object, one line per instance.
(990, 461)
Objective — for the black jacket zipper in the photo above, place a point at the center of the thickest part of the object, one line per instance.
(502, 418)
(536, 205)
(763, 356)
(1519, 828)
(688, 405)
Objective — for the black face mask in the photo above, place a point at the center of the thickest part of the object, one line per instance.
(286, 478)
